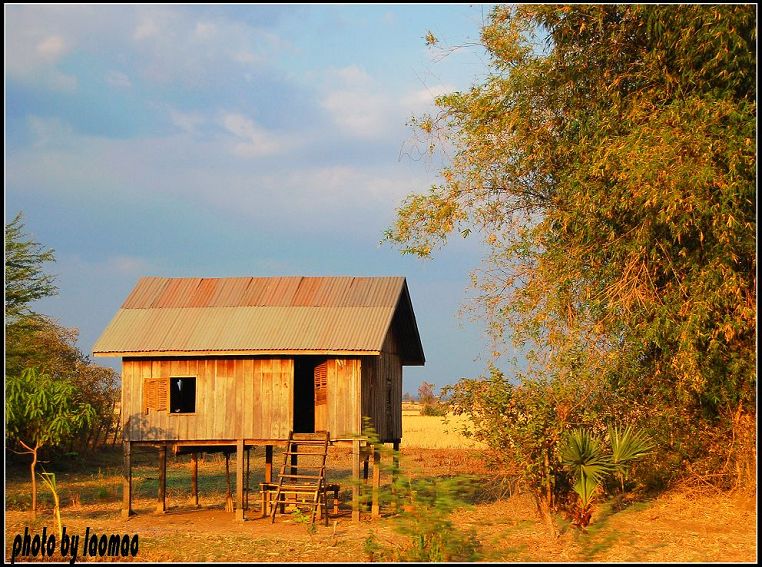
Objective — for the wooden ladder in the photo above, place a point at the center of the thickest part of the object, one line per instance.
(305, 478)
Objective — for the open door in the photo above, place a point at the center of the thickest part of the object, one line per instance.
(310, 394)
(321, 396)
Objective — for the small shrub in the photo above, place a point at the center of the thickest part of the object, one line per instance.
(434, 409)
(425, 505)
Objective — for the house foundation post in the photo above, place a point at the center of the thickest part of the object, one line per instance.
(356, 480)
(239, 467)
(375, 509)
(194, 477)
(127, 482)
(161, 505)
(395, 470)
(268, 479)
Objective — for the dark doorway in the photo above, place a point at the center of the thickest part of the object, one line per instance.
(304, 393)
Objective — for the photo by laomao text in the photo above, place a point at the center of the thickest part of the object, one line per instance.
(93, 545)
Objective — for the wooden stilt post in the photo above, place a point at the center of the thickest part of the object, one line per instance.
(375, 509)
(395, 469)
(161, 505)
(194, 478)
(268, 479)
(356, 480)
(229, 496)
(248, 475)
(127, 482)
(239, 466)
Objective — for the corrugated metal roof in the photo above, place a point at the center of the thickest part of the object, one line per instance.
(317, 314)
(342, 291)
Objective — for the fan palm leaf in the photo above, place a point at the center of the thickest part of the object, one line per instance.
(628, 444)
(583, 453)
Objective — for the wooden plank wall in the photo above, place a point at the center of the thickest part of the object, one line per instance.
(344, 416)
(382, 390)
(372, 392)
(241, 397)
(391, 362)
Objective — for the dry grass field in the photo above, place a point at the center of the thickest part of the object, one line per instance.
(432, 432)
(682, 525)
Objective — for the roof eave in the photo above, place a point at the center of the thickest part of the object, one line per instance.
(208, 353)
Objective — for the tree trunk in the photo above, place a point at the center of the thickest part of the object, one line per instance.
(32, 468)
(546, 503)
(548, 484)
(543, 508)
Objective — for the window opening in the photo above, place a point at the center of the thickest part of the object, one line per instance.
(182, 394)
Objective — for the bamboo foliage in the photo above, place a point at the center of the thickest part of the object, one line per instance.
(611, 174)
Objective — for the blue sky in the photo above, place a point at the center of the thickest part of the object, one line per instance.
(233, 141)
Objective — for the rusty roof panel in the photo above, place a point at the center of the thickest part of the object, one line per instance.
(203, 293)
(229, 291)
(259, 314)
(342, 291)
(146, 292)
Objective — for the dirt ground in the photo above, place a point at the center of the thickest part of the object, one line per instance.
(678, 527)
(675, 528)
(682, 525)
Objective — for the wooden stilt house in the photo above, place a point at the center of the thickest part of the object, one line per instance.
(242, 362)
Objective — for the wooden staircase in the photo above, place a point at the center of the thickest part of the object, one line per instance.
(304, 458)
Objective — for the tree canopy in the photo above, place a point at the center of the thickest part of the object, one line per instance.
(35, 342)
(25, 279)
(41, 411)
(610, 167)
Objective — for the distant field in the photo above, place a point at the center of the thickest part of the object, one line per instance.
(432, 432)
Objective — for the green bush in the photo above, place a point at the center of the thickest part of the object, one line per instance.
(435, 409)
(424, 506)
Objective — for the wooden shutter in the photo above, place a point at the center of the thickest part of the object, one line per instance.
(155, 394)
(321, 383)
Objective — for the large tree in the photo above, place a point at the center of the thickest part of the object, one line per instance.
(609, 161)
(33, 340)
(25, 279)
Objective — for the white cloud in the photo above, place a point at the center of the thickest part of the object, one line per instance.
(61, 82)
(205, 30)
(359, 113)
(48, 131)
(118, 79)
(357, 104)
(148, 27)
(52, 47)
(161, 44)
(174, 46)
(33, 53)
(251, 139)
(186, 121)
(423, 99)
(279, 193)
(365, 108)
(247, 57)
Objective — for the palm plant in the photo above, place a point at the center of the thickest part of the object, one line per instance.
(583, 453)
(626, 446)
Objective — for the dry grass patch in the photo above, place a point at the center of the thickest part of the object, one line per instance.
(433, 432)
(683, 525)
